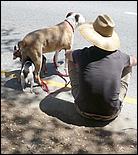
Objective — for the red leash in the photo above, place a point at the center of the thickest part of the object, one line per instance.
(44, 84)
(58, 72)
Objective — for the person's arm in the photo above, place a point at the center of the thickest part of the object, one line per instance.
(133, 60)
(69, 56)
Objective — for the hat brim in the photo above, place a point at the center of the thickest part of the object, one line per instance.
(106, 43)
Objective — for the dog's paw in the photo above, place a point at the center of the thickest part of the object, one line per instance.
(66, 71)
(31, 91)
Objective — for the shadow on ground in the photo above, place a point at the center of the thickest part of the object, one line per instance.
(6, 43)
(12, 80)
(25, 129)
(66, 112)
(13, 77)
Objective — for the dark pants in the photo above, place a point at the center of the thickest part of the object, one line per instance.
(73, 74)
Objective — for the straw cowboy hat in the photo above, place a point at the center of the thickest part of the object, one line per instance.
(101, 33)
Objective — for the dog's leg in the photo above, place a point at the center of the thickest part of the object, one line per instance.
(66, 64)
(56, 58)
(44, 63)
(37, 59)
(31, 87)
(66, 61)
(22, 81)
(37, 74)
(44, 70)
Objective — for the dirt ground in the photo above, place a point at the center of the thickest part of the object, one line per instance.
(36, 125)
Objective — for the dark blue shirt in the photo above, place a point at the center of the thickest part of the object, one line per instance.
(99, 79)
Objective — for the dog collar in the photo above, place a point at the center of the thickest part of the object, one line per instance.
(70, 25)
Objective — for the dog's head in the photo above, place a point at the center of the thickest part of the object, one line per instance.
(27, 68)
(16, 53)
(75, 19)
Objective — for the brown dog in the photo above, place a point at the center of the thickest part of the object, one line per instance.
(17, 54)
(50, 39)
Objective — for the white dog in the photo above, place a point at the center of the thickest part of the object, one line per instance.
(27, 75)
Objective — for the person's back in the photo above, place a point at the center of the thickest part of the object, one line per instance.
(100, 80)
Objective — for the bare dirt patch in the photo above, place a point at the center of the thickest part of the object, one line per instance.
(25, 129)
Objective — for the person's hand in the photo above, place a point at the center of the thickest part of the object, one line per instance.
(133, 60)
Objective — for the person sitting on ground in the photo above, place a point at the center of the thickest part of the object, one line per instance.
(100, 74)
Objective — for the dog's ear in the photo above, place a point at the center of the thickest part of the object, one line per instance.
(69, 14)
(77, 17)
(15, 48)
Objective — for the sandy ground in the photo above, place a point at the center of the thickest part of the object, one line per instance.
(26, 130)
(32, 124)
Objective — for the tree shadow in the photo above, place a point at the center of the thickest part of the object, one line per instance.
(13, 84)
(14, 81)
(6, 32)
(7, 43)
(29, 131)
(66, 112)
(51, 71)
